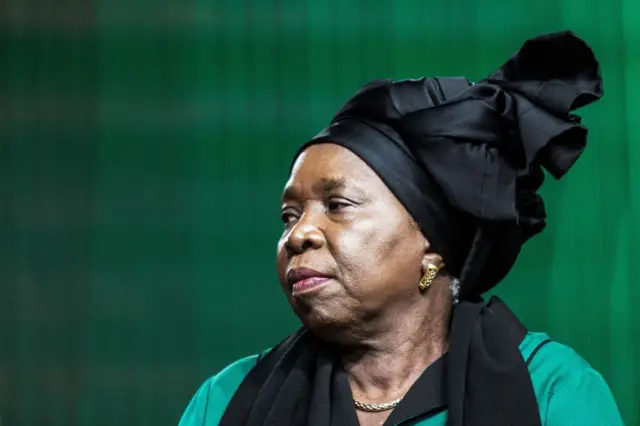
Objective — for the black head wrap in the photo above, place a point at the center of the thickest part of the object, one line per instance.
(466, 161)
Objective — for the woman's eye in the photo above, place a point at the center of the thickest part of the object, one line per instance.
(287, 217)
(335, 205)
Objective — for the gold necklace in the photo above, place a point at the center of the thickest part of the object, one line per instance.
(374, 408)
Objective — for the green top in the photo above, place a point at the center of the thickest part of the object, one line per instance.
(568, 390)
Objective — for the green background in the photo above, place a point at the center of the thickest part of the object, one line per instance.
(143, 147)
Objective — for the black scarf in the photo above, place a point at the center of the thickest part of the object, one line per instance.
(466, 162)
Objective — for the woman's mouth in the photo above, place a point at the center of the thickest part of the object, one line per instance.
(307, 284)
(304, 280)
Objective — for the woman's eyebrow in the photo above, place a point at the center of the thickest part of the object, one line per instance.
(325, 185)
(336, 184)
(333, 184)
(290, 193)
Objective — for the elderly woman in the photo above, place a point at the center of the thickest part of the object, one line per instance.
(397, 217)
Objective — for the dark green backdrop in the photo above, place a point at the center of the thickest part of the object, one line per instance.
(143, 145)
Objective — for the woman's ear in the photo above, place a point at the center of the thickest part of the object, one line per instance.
(431, 258)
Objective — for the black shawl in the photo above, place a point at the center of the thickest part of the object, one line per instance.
(466, 162)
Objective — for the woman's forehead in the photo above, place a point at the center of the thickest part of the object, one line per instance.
(329, 161)
(324, 168)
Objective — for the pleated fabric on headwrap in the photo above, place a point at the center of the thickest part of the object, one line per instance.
(466, 161)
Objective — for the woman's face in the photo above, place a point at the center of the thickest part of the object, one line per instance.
(349, 253)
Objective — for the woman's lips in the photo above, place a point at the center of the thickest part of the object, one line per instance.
(307, 284)
(303, 280)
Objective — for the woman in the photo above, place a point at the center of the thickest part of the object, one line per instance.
(397, 217)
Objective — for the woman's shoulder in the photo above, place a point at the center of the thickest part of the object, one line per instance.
(212, 397)
(553, 359)
(568, 389)
(234, 373)
(539, 349)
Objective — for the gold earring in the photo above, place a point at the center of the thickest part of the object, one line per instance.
(428, 277)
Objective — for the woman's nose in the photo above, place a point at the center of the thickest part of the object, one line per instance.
(305, 235)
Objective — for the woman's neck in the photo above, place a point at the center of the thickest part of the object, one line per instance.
(386, 364)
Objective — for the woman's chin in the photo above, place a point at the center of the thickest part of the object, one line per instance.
(328, 321)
